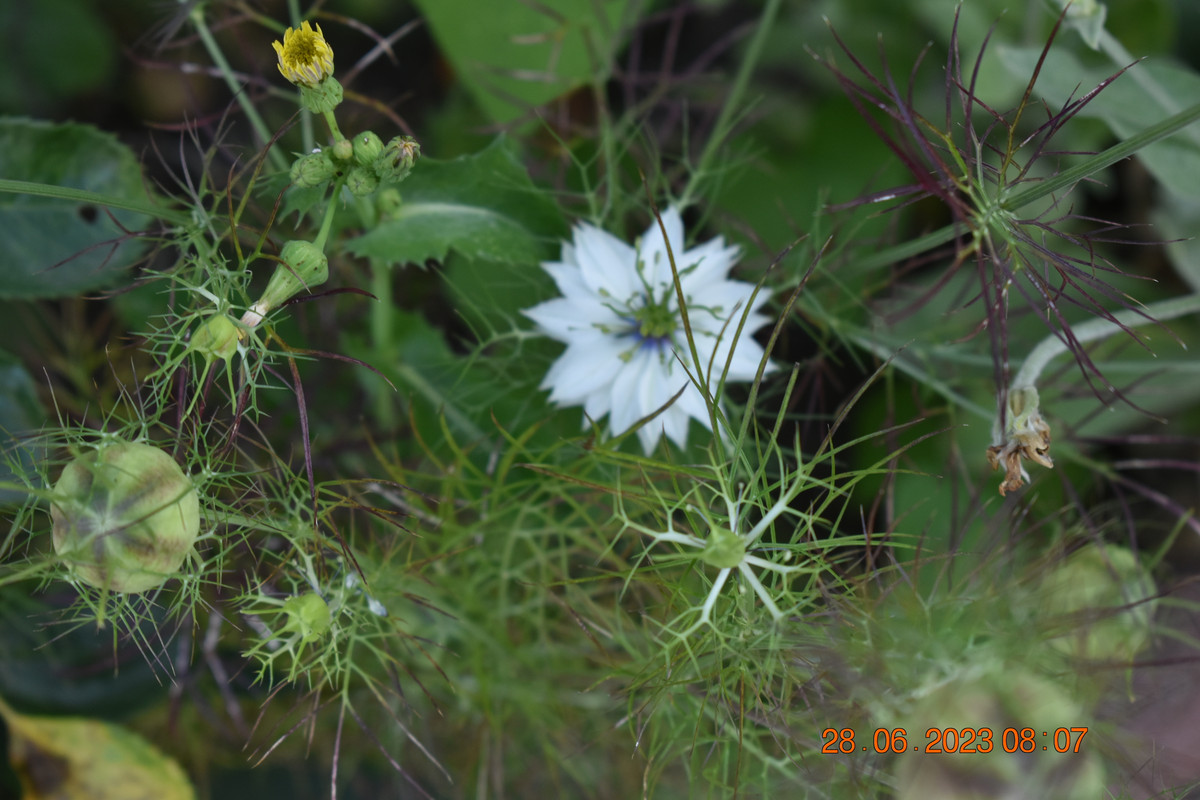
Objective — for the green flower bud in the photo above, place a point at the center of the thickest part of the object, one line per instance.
(724, 549)
(217, 337)
(361, 181)
(387, 203)
(367, 147)
(302, 266)
(308, 615)
(1102, 595)
(323, 97)
(343, 149)
(312, 170)
(397, 159)
(125, 517)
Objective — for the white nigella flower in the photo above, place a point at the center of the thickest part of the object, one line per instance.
(619, 317)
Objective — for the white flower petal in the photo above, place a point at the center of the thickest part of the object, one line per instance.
(640, 389)
(675, 424)
(597, 275)
(606, 263)
(569, 281)
(691, 404)
(652, 253)
(566, 320)
(588, 365)
(626, 409)
(706, 263)
(597, 404)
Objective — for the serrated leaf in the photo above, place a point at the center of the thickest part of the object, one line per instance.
(71, 758)
(53, 247)
(1146, 94)
(483, 206)
(514, 56)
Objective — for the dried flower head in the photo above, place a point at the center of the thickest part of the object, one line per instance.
(305, 58)
(1026, 435)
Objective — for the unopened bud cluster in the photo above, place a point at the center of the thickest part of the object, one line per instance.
(365, 161)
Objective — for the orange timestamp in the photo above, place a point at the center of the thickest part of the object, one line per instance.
(956, 740)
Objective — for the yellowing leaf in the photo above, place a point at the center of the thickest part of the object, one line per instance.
(71, 758)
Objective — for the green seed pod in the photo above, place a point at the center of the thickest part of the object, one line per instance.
(1102, 598)
(217, 337)
(367, 147)
(361, 181)
(303, 266)
(397, 159)
(308, 615)
(125, 517)
(312, 170)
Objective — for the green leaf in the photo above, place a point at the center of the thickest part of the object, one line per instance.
(20, 412)
(1146, 94)
(483, 206)
(513, 56)
(72, 758)
(55, 247)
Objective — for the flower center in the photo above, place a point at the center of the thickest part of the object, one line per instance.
(301, 50)
(655, 321)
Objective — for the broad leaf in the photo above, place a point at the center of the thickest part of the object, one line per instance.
(483, 206)
(514, 56)
(53, 247)
(70, 758)
(1147, 93)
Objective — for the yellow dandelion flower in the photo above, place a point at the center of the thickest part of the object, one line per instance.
(305, 58)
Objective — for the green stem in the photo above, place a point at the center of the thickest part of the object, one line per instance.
(1041, 355)
(334, 130)
(278, 160)
(382, 340)
(174, 217)
(330, 210)
(733, 103)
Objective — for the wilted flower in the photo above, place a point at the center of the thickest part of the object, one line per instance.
(1026, 435)
(620, 319)
(305, 58)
